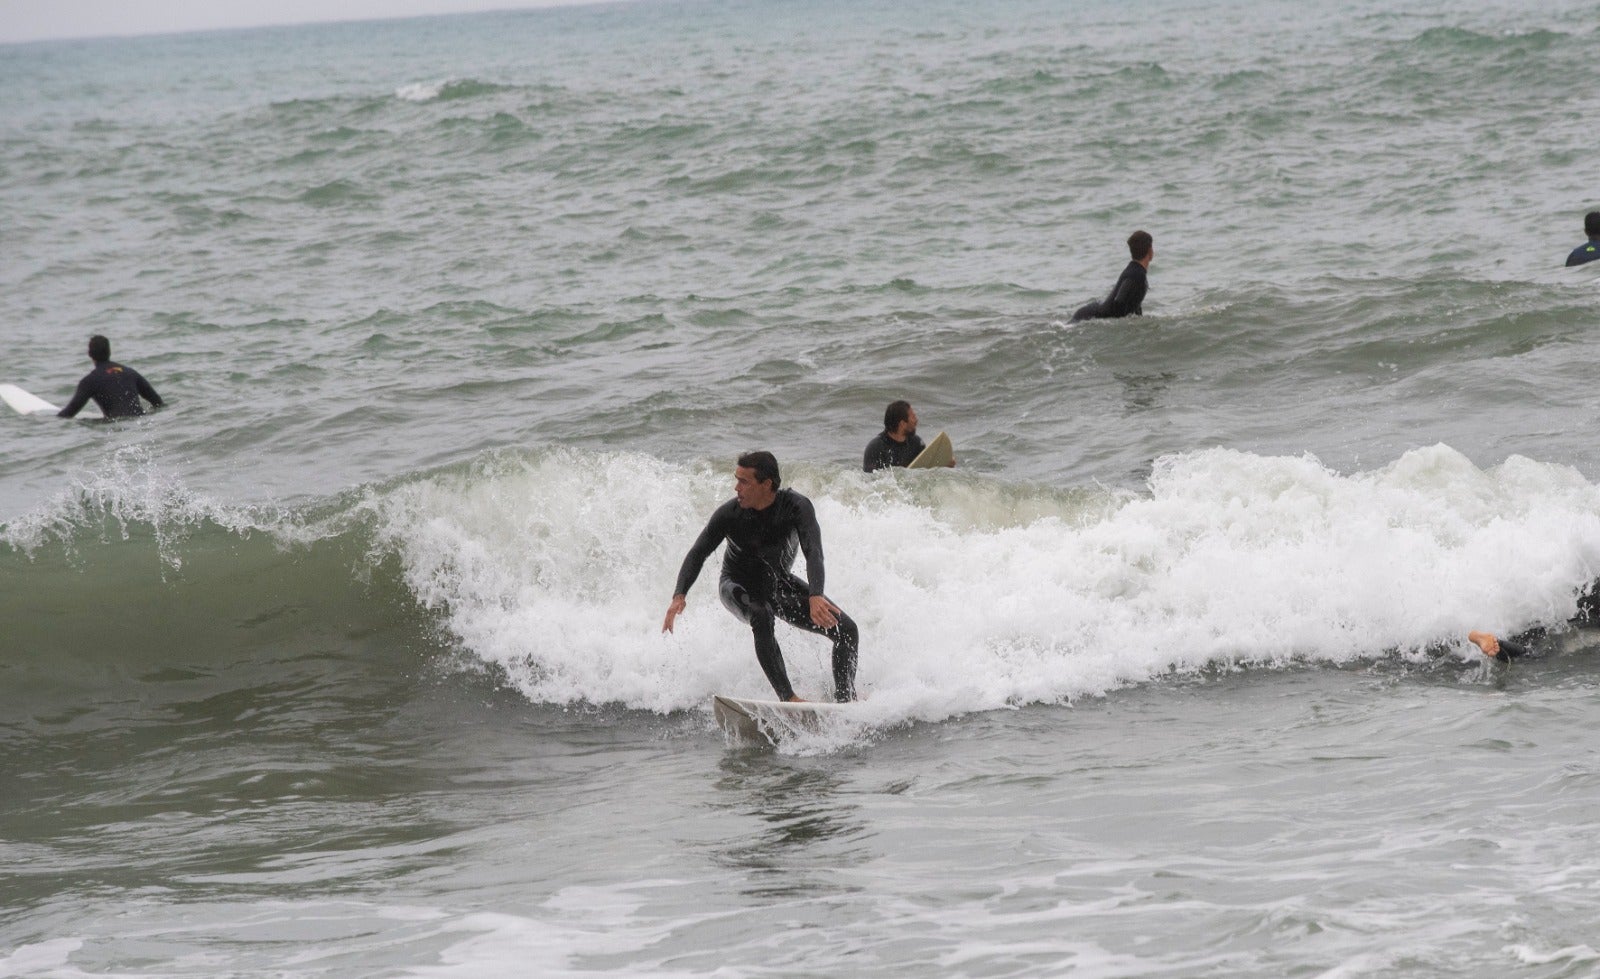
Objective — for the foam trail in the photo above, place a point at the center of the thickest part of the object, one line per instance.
(972, 594)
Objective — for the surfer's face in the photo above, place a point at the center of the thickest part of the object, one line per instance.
(751, 494)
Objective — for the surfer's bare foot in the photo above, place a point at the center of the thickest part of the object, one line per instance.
(795, 700)
(1486, 641)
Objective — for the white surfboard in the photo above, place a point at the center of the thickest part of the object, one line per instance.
(773, 720)
(935, 455)
(24, 403)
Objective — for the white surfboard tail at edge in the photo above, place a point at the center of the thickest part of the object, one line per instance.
(24, 403)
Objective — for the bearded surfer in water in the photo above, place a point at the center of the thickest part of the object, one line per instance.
(763, 526)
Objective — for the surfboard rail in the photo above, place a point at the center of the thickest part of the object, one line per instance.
(772, 721)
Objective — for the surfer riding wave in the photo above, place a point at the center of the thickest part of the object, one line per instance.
(763, 526)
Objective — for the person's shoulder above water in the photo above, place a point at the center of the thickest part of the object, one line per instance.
(790, 503)
(1589, 251)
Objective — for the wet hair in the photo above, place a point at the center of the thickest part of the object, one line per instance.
(1139, 244)
(765, 465)
(99, 348)
(1591, 224)
(897, 412)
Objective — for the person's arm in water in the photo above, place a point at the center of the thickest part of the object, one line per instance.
(823, 612)
(716, 531)
(79, 399)
(146, 391)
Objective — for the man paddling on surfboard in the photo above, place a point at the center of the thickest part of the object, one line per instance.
(763, 526)
(898, 444)
(115, 388)
(1127, 296)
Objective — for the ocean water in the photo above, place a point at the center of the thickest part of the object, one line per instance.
(348, 662)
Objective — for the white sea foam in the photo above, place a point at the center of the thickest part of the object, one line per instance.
(52, 954)
(421, 91)
(1573, 953)
(130, 487)
(576, 922)
(972, 594)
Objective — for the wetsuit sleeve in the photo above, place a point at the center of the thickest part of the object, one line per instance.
(810, 544)
(716, 531)
(79, 399)
(146, 391)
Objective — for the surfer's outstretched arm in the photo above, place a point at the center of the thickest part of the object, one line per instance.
(716, 531)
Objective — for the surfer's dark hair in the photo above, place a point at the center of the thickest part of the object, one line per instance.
(1139, 244)
(765, 465)
(897, 412)
(1591, 224)
(99, 348)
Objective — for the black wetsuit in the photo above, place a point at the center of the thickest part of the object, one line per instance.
(115, 388)
(1126, 297)
(758, 587)
(883, 452)
(1589, 251)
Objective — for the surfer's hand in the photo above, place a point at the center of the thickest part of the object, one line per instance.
(1486, 641)
(823, 612)
(678, 602)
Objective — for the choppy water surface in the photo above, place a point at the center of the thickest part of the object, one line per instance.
(348, 664)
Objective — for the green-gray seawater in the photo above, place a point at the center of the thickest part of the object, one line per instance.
(348, 662)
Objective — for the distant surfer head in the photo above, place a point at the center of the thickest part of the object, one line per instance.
(756, 480)
(1142, 247)
(899, 420)
(1591, 224)
(99, 349)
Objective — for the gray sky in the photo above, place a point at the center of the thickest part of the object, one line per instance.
(33, 20)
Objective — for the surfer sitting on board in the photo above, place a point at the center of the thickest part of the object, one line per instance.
(115, 388)
(898, 443)
(1127, 296)
(763, 525)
